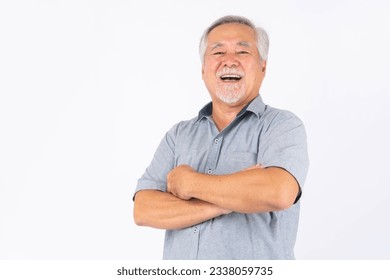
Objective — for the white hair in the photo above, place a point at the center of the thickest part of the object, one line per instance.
(262, 40)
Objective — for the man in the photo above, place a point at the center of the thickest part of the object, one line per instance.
(226, 184)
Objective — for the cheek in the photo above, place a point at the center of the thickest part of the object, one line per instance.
(211, 64)
(256, 71)
(208, 77)
(209, 73)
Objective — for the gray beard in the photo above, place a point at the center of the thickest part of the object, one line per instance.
(230, 93)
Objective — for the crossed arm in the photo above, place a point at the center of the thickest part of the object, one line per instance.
(193, 197)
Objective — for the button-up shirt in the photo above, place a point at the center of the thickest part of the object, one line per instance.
(259, 134)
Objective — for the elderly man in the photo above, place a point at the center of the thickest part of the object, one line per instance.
(226, 184)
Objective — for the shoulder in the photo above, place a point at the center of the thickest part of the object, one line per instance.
(275, 114)
(182, 127)
(274, 118)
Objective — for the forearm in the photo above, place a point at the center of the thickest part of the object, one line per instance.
(248, 191)
(165, 211)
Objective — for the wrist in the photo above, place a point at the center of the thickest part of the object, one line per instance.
(191, 183)
(196, 186)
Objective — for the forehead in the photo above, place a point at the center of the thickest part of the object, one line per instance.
(231, 33)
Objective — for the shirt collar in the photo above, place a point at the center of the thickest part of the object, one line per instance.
(256, 106)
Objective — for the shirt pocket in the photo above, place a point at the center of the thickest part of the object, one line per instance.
(234, 161)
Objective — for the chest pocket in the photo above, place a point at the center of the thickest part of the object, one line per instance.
(234, 161)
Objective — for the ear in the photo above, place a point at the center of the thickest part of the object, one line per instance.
(263, 66)
(202, 71)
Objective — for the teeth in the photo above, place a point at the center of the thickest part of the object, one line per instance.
(231, 76)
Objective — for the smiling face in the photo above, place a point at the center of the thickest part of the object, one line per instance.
(232, 70)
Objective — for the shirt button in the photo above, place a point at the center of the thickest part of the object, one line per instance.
(195, 229)
(216, 140)
(209, 171)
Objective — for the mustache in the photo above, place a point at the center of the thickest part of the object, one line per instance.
(230, 71)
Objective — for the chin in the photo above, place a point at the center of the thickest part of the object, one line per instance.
(230, 98)
(230, 93)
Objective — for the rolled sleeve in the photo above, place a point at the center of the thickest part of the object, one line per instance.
(285, 146)
(162, 163)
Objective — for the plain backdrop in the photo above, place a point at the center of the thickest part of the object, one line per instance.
(89, 88)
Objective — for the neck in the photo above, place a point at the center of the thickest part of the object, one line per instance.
(224, 115)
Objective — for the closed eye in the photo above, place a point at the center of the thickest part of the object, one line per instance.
(218, 53)
(242, 52)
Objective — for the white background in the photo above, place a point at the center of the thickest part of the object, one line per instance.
(88, 89)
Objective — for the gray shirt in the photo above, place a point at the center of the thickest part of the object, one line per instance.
(259, 134)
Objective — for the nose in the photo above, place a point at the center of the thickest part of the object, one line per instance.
(230, 60)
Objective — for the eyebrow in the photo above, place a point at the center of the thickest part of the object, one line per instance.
(216, 45)
(244, 44)
(241, 43)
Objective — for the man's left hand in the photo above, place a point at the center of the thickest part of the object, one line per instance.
(179, 181)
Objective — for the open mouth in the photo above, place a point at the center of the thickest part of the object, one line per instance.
(230, 77)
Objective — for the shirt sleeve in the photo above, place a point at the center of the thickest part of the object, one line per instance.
(284, 145)
(162, 163)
